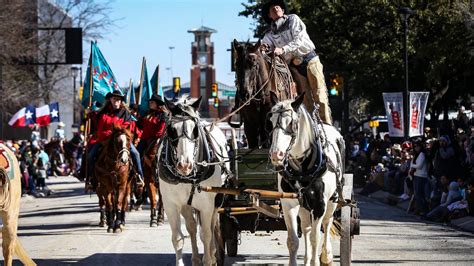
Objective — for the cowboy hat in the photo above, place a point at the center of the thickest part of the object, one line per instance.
(397, 147)
(266, 8)
(115, 93)
(157, 99)
(61, 124)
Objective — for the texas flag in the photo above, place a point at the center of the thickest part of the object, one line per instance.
(47, 114)
(24, 117)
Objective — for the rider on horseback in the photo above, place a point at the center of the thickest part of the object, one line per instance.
(152, 124)
(287, 36)
(113, 113)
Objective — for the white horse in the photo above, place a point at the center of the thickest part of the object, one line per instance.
(184, 147)
(294, 151)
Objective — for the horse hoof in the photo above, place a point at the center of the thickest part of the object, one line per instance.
(102, 224)
(119, 229)
(138, 208)
(153, 223)
(110, 229)
(326, 264)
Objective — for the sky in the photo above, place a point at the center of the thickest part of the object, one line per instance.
(149, 27)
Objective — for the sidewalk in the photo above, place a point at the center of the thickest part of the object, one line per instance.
(464, 223)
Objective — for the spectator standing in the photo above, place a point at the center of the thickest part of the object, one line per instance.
(419, 171)
(59, 132)
(461, 121)
(35, 135)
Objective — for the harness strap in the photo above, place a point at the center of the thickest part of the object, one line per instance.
(339, 185)
(191, 194)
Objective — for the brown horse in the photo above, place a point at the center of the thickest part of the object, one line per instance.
(112, 173)
(256, 75)
(10, 194)
(152, 187)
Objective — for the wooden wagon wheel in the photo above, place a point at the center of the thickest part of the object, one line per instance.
(346, 237)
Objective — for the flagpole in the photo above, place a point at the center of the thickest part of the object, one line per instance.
(88, 120)
(157, 79)
(91, 92)
(130, 87)
(141, 83)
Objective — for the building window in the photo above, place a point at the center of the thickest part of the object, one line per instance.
(202, 44)
(202, 82)
(202, 78)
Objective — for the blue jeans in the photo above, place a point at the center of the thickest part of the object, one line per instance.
(94, 151)
(136, 159)
(422, 190)
(91, 158)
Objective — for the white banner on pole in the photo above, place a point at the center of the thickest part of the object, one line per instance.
(418, 102)
(393, 102)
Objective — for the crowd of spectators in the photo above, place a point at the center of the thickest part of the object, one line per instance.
(434, 171)
(37, 163)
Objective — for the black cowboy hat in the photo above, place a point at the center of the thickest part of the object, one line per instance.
(266, 8)
(157, 99)
(115, 93)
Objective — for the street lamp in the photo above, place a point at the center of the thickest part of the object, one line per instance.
(170, 76)
(405, 12)
(171, 59)
(75, 70)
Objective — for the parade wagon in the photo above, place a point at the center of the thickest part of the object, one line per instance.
(252, 203)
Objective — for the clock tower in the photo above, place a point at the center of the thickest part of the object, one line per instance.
(203, 72)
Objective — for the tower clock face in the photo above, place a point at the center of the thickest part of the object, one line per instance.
(202, 59)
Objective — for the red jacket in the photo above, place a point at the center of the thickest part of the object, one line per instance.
(103, 123)
(153, 125)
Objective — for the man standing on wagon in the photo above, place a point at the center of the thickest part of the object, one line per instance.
(287, 37)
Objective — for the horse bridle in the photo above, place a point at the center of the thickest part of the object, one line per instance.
(255, 69)
(123, 150)
(184, 133)
(292, 133)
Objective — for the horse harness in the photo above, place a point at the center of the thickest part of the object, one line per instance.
(202, 171)
(302, 175)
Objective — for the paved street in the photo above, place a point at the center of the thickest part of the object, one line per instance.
(62, 230)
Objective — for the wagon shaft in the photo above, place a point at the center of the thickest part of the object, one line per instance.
(256, 192)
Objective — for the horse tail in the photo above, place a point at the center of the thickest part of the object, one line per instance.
(20, 252)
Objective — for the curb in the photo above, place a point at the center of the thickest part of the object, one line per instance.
(465, 224)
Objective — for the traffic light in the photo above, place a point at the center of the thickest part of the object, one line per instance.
(335, 86)
(214, 90)
(176, 85)
(81, 92)
(216, 102)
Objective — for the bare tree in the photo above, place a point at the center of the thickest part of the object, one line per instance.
(18, 41)
(95, 21)
(23, 46)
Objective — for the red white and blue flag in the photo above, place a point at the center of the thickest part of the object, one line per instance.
(24, 117)
(47, 114)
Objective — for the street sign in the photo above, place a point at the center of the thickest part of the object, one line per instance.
(228, 93)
